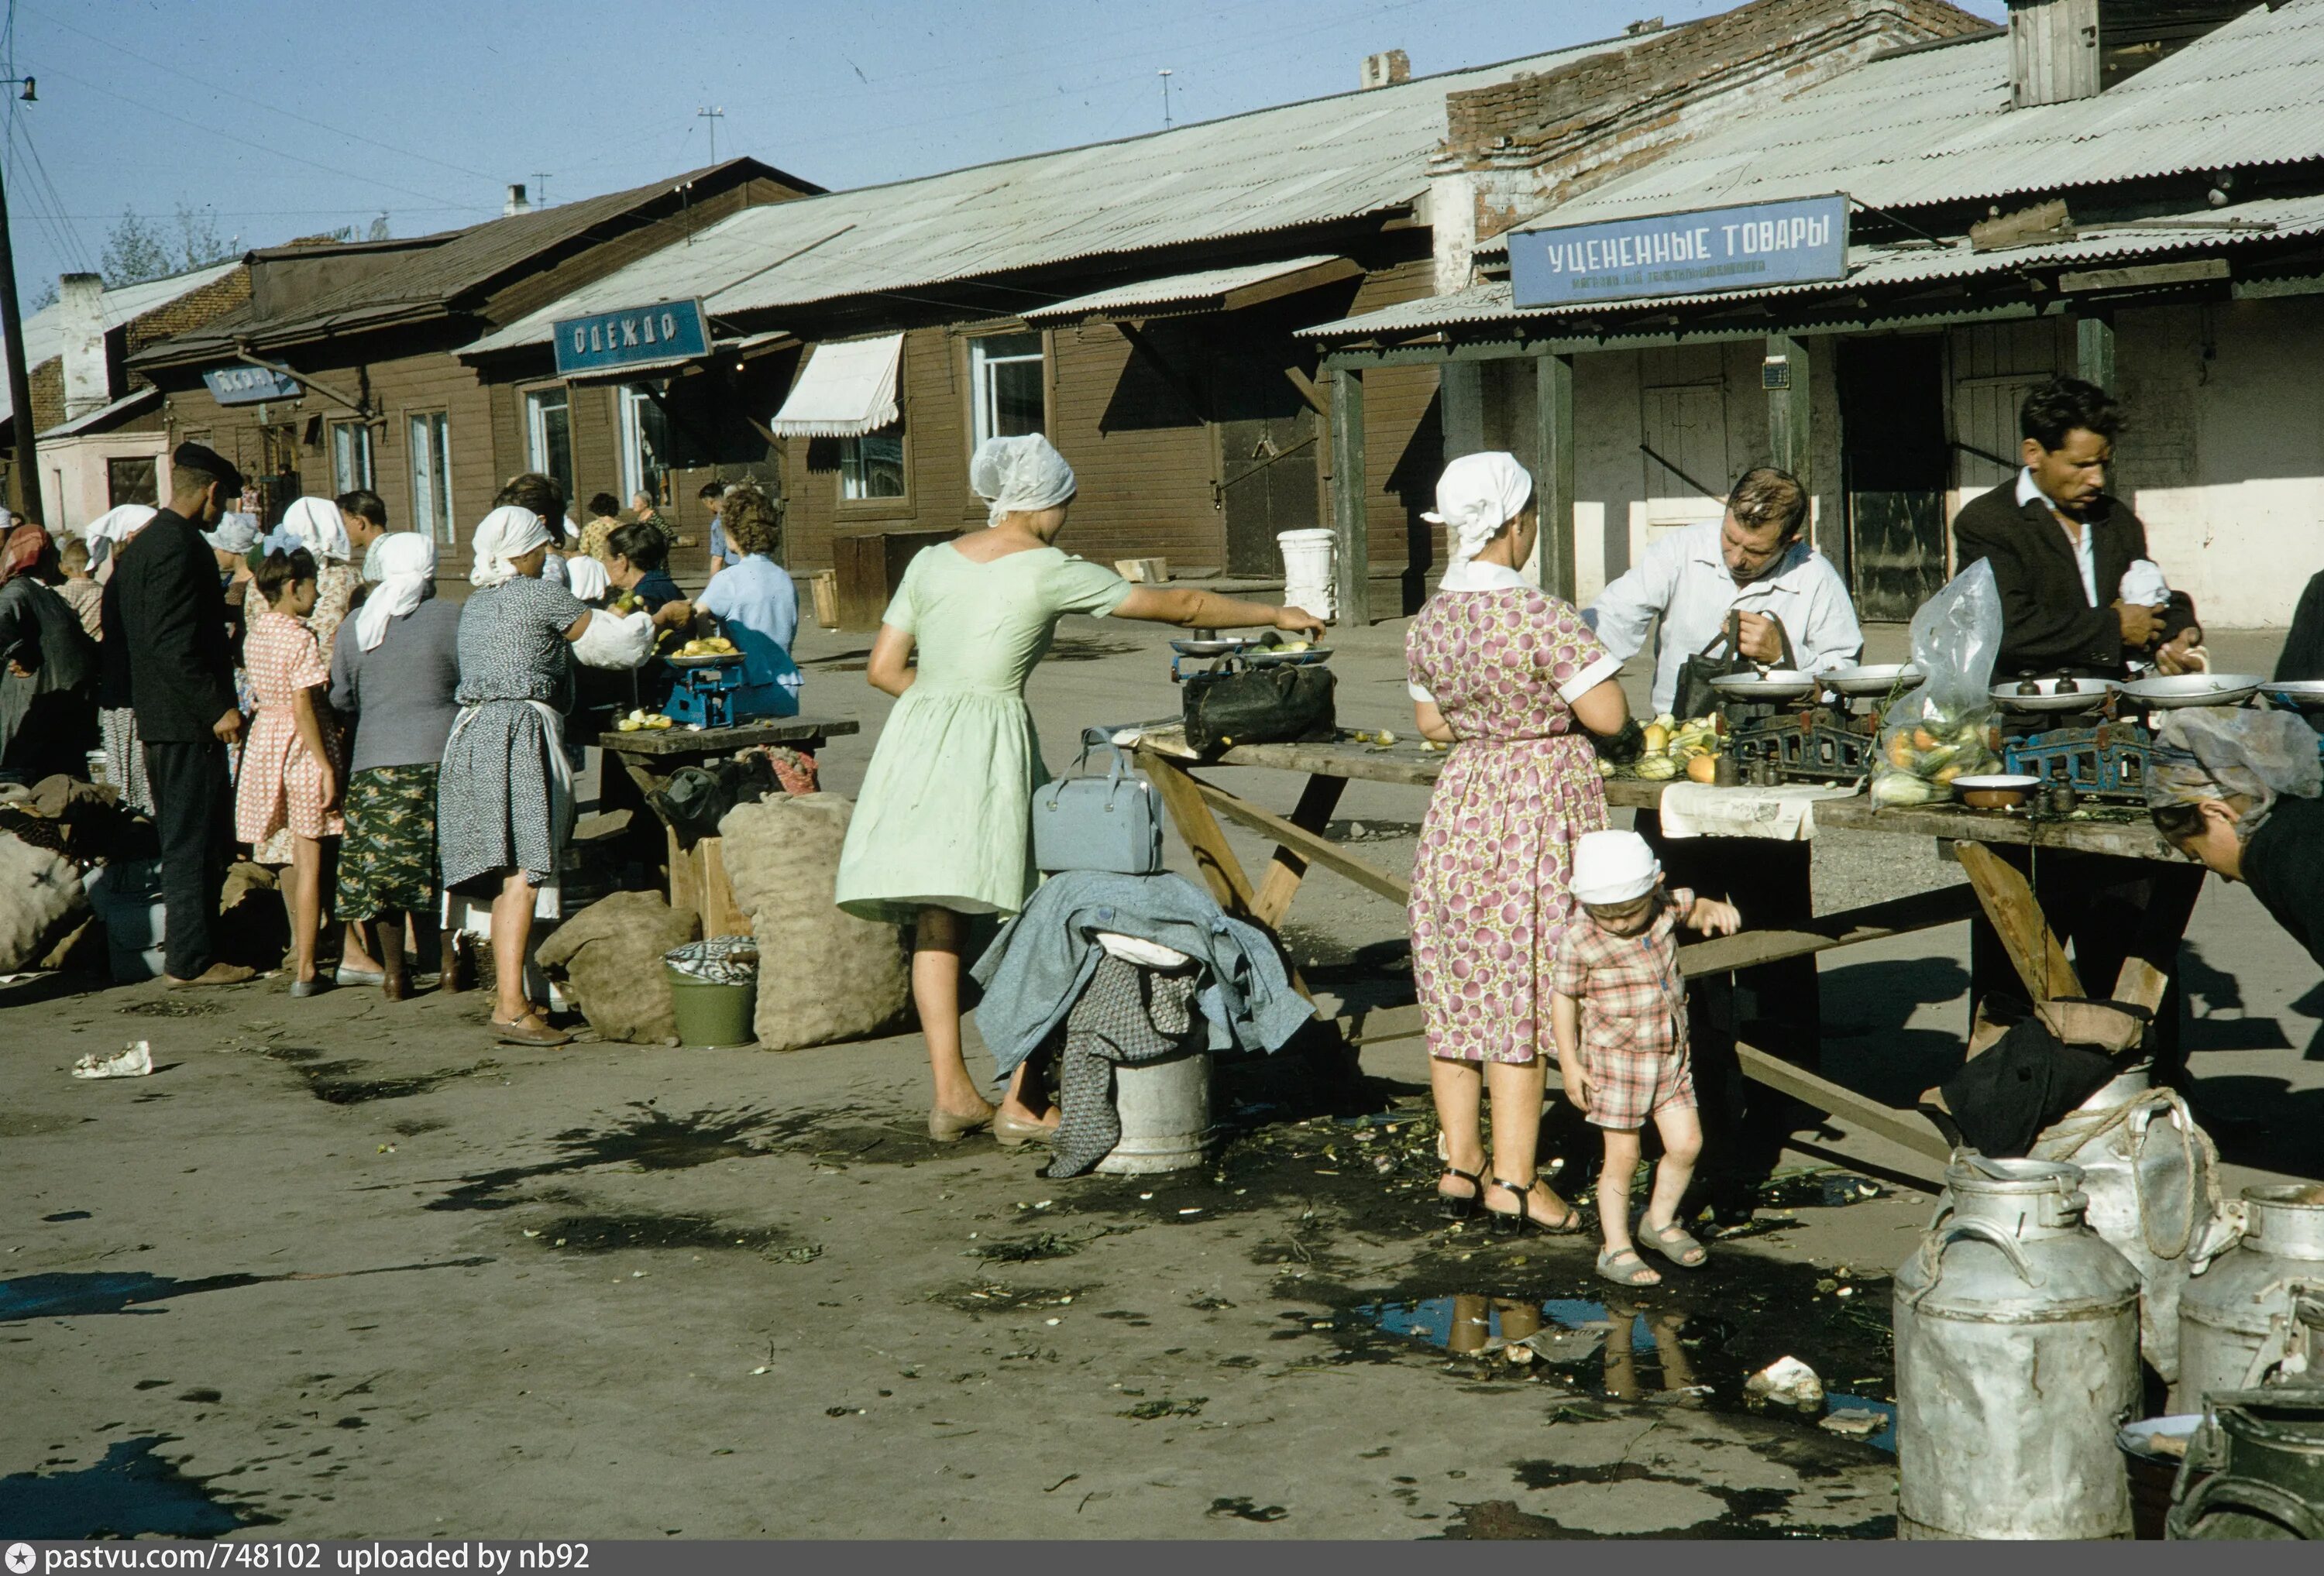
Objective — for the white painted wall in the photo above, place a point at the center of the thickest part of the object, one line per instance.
(74, 487)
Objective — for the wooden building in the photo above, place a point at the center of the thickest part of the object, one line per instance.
(340, 371)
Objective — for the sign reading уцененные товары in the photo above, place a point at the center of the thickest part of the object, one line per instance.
(602, 341)
(1749, 246)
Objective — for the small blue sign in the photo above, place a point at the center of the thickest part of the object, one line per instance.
(248, 385)
(1749, 246)
(607, 341)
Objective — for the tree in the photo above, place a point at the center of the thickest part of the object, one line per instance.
(137, 250)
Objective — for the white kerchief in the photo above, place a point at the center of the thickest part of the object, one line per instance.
(407, 570)
(1019, 475)
(505, 534)
(1477, 495)
(315, 523)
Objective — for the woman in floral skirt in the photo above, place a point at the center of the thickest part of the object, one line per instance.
(1510, 677)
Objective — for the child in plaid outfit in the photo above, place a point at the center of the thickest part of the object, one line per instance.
(1618, 1011)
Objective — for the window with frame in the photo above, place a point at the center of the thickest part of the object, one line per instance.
(431, 475)
(350, 456)
(871, 465)
(549, 434)
(1005, 375)
(130, 481)
(645, 445)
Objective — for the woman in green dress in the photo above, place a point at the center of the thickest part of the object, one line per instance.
(944, 828)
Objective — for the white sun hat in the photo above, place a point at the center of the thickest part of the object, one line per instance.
(1613, 867)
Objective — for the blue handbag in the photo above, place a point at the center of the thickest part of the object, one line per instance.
(1109, 823)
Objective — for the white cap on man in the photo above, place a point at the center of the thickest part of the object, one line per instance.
(1614, 867)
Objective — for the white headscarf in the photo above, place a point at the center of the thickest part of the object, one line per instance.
(233, 533)
(407, 570)
(1019, 475)
(506, 533)
(119, 524)
(1477, 495)
(315, 523)
(586, 576)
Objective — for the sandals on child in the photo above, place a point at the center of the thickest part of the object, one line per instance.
(1637, 1275)
(1673, 1242)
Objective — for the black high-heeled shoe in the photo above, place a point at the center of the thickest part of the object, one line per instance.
(1451, 1206)
(1520, 1220)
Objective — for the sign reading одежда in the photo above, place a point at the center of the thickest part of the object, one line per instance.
(248, 385)
(604, 341)
(1749, 246)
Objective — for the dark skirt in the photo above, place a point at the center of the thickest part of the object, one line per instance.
(387, 860)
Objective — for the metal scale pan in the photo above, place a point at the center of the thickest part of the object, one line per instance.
(2087, 696)
(1773, 687)
(1871, 679)
(2165, 692)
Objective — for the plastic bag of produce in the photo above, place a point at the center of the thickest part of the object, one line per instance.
(1938, 729)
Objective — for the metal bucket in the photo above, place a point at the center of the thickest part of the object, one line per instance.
(1165, 1106)
(2235, 1318)
(2016, 1362)
(2254, 1469)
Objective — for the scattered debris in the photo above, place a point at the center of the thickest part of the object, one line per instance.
(1786, 1382)
(1185, 1406)
(1855, 1422)
(135, 1060)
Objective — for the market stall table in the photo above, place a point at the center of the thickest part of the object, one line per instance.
(651, 756)
(1992, 884)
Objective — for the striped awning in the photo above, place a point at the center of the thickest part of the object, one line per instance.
(845, 390)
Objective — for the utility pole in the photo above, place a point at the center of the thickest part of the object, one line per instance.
(23, 475)
(713, 115)
(1164, 74)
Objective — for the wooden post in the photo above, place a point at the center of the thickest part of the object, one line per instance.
(1788, 438)
(1461, 406)
(2094, 349)
(1553, 473)
(1350, 497)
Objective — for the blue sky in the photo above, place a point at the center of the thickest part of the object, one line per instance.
(291, 118)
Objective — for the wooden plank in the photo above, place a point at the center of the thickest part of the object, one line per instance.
(1311, 845)
(1908, 1127)
(714, 902)
(1788, 410)
(1552, 471)
(2094, 331)
(660, 743)
(1205, 838)
(1461, 386)
(2024, 931)
(2140, 984)
(1351, 493)
(1874, 922)
(1284, 872)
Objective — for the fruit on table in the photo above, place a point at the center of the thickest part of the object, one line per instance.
(1702, 769)
(1901, 787)
(650, 721)
(1657, 739)
(708, 646)
(1656, 768)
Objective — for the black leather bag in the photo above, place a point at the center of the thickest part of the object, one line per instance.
(1261, 705)
(1722, 656)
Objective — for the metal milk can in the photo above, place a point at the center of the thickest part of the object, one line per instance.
(2254, 1469)
(2016, 1359)
(2237, 1318)
(2151, 1177)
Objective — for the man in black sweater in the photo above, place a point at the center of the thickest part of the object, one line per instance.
(165, 603)
(2058, 544)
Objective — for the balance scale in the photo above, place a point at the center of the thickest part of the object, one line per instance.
(1800, 728)
(707, 693)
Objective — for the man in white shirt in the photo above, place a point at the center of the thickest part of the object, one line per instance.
(1752, 561)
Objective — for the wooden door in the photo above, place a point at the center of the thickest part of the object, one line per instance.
(1893, 471)
(1268, 440)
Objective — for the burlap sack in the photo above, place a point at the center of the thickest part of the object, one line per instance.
(608, 957)
(40, 901)
(824, 975)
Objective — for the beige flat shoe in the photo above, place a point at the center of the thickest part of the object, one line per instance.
(947, 1126)
(1013, 1132)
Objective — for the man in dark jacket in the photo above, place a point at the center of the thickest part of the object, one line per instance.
(165, 600)
(2058, 545)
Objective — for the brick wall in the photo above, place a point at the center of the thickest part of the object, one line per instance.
(191, 310)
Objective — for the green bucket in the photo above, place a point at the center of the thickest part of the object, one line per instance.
(710, 1014)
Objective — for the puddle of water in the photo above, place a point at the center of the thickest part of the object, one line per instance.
(130, 1493)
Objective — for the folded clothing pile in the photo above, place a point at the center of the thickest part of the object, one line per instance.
(719, 960)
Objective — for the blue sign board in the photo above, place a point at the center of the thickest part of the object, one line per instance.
(609, 341)
(248, 385)
(1749, 246)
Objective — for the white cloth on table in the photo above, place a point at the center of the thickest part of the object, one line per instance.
(1785, 813)
(1684, 580)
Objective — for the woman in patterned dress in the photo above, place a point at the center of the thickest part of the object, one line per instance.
(505, 792)
(1509, 676)
(291, 767)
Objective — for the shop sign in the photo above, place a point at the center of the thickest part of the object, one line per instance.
(607, 341)
(249, 385)
(1749, 246)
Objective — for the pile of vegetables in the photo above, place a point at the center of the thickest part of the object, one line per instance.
(1674, 748)
(1919, 760)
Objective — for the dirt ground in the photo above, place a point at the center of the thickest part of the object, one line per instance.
(346, 1268)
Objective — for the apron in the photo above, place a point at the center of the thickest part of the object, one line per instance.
(549, 901)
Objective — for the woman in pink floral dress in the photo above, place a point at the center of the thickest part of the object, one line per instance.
(1510, 677)
(291, 763)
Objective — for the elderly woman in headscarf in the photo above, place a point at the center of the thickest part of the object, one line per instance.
(48, 665)
(395, 673)
(942, 830)
(2238, 793)
(504, 793)
(1511, 678)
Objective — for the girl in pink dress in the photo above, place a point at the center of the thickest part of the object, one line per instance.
(291, 766)
(1509, 676)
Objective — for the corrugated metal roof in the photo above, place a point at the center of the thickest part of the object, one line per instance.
(1269, 171)
(470, 262)
(1210, 285)
(1935, 125)
(128, 404)
(1875, 268)
(44, 330)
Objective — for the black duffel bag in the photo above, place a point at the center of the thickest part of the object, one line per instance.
(1261, 705)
